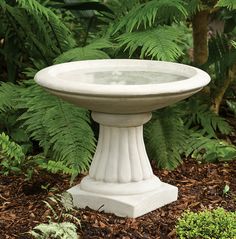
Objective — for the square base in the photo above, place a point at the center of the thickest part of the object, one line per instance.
(125, 205)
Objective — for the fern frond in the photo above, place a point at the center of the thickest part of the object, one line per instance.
(206, 149)
(165, 136)
(9, 93)
(89, 52)
(58, 126)
(147, 13)
(58, 166)
(232, 106)
(61, 33)
(200, 114)
(34, 5)
(230, 4)
(11, 155)
(221, 56)
(233, 43)
(10, 149)
(62, 230)
(18, 20)
(193, 6)
(122, 7)
(160, 44)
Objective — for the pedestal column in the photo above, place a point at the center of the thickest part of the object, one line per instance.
(120, 178)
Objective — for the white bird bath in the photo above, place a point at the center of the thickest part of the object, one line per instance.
(121, 95)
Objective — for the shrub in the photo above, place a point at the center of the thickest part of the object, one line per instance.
(215, 224)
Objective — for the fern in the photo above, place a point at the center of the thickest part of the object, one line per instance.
(230, 4)
(206, 149)
(193, 6)
(19, 22)
(160, 43)
(10, 149)
(34, 5)
(221, 57)
(233, 43)
(147, 13)
(59, 127)
(64, 230)
(165, 135)
(40, 33)
(232, 106)
(121, 7)
(198, 113)
(11, 154)
(61, 33)
(9, 93)
(58, 166)
(61, 207)
(89, 52)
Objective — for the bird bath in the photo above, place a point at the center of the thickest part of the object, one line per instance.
(121, 95)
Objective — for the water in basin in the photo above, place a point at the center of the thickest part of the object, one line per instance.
(121, 77)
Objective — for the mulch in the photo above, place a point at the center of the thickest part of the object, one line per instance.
(200, 187)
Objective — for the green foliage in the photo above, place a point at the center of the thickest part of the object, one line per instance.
(64, 230)
(147, 14)
(32, 31)
(38, 33)
(233, 43)
(197, 113)
(66, 223)
(203, 127)
(221, 58)
(232, 106)
(231, 4)
(61, 36)
(61, 129)
(193, 6)
(120, 8)
(11, 155)
(161, 43)
(206, 149)
(215, 224)
(8, 94)
(13, 158)
(189, 129)
(89, 52)
(165, 136)
(226, 189)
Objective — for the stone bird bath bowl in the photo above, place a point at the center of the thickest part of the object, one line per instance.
(121, 95)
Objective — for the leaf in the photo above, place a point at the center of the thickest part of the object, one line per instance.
(230, 4)
(89, 52)
(160, 44)
(226, 189)
(61, 128)
(146, 14)
(165, 136)
(199, 114)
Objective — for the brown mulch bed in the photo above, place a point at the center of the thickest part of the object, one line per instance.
(200, 187)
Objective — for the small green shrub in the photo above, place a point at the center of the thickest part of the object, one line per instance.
(215, 224)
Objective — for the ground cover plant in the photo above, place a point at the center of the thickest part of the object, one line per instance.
(41, 133)
(207, 224)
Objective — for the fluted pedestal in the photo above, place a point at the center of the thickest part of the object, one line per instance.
(120, 179)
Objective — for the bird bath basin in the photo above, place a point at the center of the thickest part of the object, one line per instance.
(121, 95)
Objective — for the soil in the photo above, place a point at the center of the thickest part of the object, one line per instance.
(200, 187)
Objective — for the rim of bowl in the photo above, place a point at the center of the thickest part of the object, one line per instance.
(196, 78)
